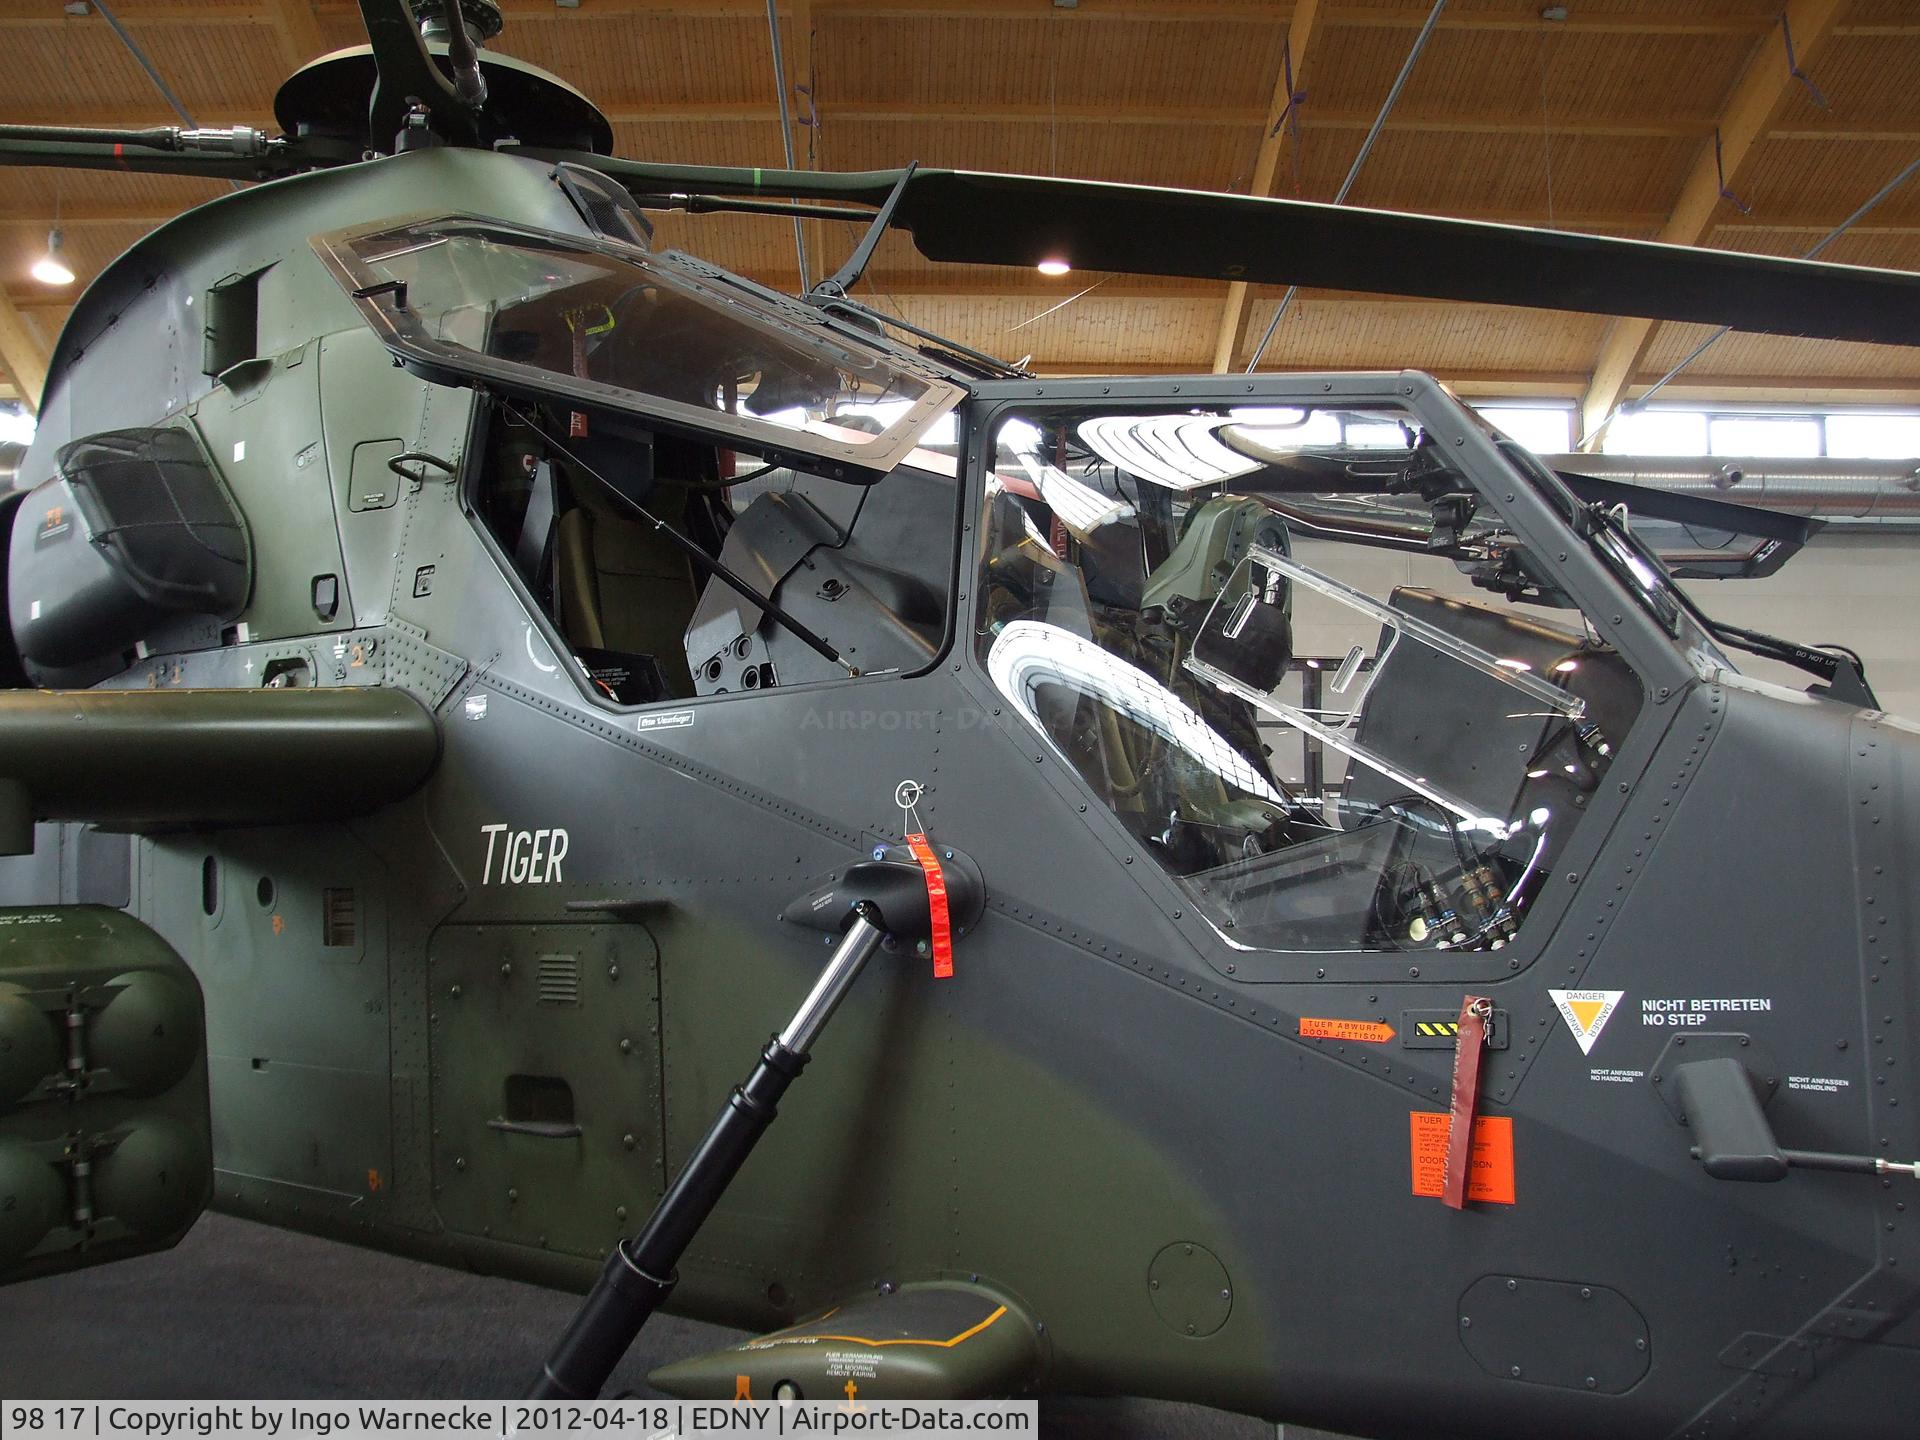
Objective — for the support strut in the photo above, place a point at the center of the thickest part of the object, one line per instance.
(640, 1274)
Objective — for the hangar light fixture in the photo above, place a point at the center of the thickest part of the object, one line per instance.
(1054, 266)
(50, 269)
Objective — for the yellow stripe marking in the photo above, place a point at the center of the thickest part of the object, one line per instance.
(967, 1334)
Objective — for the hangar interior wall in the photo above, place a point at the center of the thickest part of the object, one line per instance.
(1861, 591)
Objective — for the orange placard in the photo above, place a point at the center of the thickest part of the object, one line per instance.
(1489, 1168)
(1366, 1031)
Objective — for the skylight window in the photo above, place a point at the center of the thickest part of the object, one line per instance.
(1543, 429)
(1873, 437)
(1657, 432)
(1791, 436)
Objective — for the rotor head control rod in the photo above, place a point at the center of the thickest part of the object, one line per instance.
(639, 1275)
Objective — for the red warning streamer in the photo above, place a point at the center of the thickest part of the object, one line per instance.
(1472, 1043)
(937, 903)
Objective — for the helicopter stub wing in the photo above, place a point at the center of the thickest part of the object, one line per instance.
(265, 756)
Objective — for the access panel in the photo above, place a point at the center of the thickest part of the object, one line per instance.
(546, 1081)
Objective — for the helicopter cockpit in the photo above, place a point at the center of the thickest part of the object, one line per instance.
(648, 416)
(1251, 630)
(1250, 633)
(583, 523)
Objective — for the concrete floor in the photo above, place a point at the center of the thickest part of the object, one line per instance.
(241, 1311)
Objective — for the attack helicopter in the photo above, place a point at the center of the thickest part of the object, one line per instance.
(1265, 893)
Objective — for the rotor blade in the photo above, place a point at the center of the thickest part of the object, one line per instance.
(206, 165)
(866, 187)
(971, 217)
(1024, 219)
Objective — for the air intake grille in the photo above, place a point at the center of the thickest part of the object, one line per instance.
(341, 917)
(559, 980)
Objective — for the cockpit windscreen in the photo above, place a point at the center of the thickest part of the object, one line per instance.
(1303, 663)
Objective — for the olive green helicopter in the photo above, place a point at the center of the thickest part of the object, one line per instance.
(1264, 892)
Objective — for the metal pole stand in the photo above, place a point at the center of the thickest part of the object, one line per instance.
(639, 1275)
(896, 894)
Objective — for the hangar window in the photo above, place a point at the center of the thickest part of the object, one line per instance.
(1542, 428)
(1257, 637)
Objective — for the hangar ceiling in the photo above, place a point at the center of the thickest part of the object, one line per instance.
(1675, 119)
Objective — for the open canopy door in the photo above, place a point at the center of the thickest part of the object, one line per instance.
(607, 326)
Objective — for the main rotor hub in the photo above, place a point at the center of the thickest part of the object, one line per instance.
(481, 17)
(329, 96)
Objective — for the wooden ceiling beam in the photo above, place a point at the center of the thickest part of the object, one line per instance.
(1192, 11)
(22, 355)
(1858, 134)
(1809, 390)
(1413, 17)
(36, 300)
(81, 217)
(1310, 119)
(140, 12)
(1198, 11)
(1456, 123)
(1210, 12)
(1289, 79)
(1410, 16)
(1757, 98)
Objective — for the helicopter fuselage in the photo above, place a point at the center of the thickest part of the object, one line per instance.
(484, 1024)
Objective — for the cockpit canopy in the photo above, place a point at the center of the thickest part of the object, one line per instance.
(607, 325)
(1254, 634)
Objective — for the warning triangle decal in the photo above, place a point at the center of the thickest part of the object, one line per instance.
(1586, 1012)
